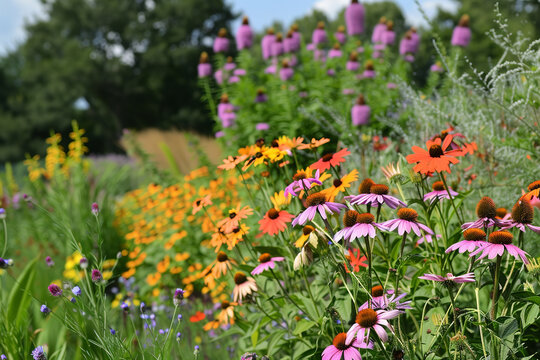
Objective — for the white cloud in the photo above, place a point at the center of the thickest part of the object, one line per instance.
(330, 7)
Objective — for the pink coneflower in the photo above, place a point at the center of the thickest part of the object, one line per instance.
(266, 262)
(437, 67)
(357, 226)
(266, 43)
(368, 319)
(360, 112)
(277, 46)
(219, 134)
(450, 278)
(261, 96)
(285, 73)
(486, 212)
(221, 43)
(522, 217)
(340, 34)
(244, 35)
(497, 243)
(301, 182)
(317, 203)
(319, 34)
(239, 72)
(354, 18)
(473, 238)
(406, 45)
(335, 52)
(376, 37)
(262, 126)
(388, 37)
(204, 69)
(378, 195)
(439, 192)
(229, 65)
(461, 36)
(427, 238)
(55, 290)
(244, 286)
(49, 261)
(386, 300)
(406, 222)
(341, 348)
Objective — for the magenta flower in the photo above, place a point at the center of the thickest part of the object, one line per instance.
(204, 69)
(341, 348)
(262, 126)
(486, 212)
(266, 44)
(378, 195)
(461, 36)
(407, 45)
(388, 37)
(499, 241)
(522, 217)
(352, 65)
(95, 209)
(270, 69)
(244, 35)
(340, 37)
(96, 275)
(439, 192)
(360, 112)
(229, 65)
(473, 238)
(334, 53)
(319, 34)
(406, 222)
(469, 277)
(427, 238)
(317, 203)
(357, 226)
(218, 75)
(239, 72)
(354, 18)
(49, 261)
(219, 134)
(285, 73)
(261, 97)
(221, 43)
(378, 30)
(386, 300)
(266, 262)
(368, 74)
(55, 290)
(436, 67)
(301, 182)
(368, 319)
(277, 46)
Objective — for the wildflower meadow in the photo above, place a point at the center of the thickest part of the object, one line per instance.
(355, 213)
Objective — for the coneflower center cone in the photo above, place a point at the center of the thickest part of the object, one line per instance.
(339, 341)
(273, 214)
(501, 237)
(407, 214)
(299, 176)
(264, 258)
(438, 186)
(327, 157)
(225, 305)
(365, 186)
(337, 182)
(474, 234)
(366, 318)
(379, 189)
(501, 212)
(240, 278)
(486, 208)
(307, 229)
(365, 218)
(222, 257)
(436, 151)
(377, 291)
(315, 199)
(350, 218)
(523, 212)
(534, 185)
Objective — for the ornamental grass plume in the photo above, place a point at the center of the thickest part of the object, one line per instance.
(461, 36)
(244, 35)
(354, 18)
(360, 112)
(221, 43)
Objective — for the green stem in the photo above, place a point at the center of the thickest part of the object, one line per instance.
(496, 288)
(451, 198)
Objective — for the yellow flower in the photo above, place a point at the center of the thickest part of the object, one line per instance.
(279, 200)
(339, 185)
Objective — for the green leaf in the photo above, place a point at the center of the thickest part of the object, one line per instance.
(255, 337)
(302, 326)
(19, 299)
(508, 326)
(526, 296)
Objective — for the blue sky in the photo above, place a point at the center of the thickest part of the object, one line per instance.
(13, 13)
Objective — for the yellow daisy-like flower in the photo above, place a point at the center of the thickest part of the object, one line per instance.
(286, 143)
(274, 154)
(279, 200)
(339, 185)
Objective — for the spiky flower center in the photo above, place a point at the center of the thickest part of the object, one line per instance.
(259, 142)
(232, 215)
(377, 291)
(339, 341)
(407, 214)
(534, 185)
(240, 278)
(474, 234)
(486, 208)
(523, 212)
(315, 199)
(300, 176)
(501, 212)
(379, 189)
(273, 214)
(365, 218)
(350, 218)
(438, 186)
(365, 186)
(308, 229)
(366, 318)
(328, 157)
(501, 237)
(225, 305)
(436, 151)
(337, 182)
(264, 258)
(222, 257)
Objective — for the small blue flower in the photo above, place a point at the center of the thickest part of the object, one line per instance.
(113, 332)
(44, 309)
(124, 306)
(76, 291)
(3, 357)
(39, 353)
(73, 300)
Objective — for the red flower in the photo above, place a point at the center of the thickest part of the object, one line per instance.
(356, 260)
(274, 221)
(197, 317)
(436, 158)
(329, 160)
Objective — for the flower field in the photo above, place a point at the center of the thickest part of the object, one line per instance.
(356, 214)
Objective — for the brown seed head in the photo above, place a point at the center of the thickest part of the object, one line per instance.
(365, 218)
(379, 189)
(438, 186)
(265, 258)
(222, 32)
(245, 21)
(222, 257)
(339, 341)
(337, 183)
(350, 218)
(225, 305)
(365, 186)
(501, 212)
(474, 234)
(377, 291)
(534, 185)
(240, 278)
(315, 199)
(501, 237)
(436, 151)
(407, 214)
(361, 100)
(273, 214)
(308, 229)
(366, 318)
(486, 208)
(523, 212)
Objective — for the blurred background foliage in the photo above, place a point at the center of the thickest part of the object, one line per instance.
(116, 64)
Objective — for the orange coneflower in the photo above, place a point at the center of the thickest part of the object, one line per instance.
(331, 159)
(286, 143)
(533, 194)
(436, 158)
(274, 221)
(221, 264)
(236, 235)
(235, 215)
(199, 315)
(245, 285)
(259, 158)
(339, 185)
(314, 144)
(231, 162)
(200, 203)
(226, 315)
